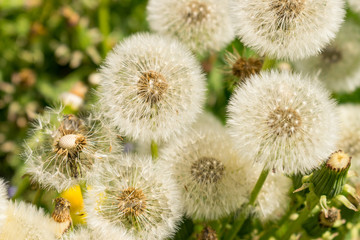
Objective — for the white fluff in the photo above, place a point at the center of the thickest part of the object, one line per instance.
(179, 102)
(26, 222)
(284, 121)
(202, 25)
(223, 195)
(163, 208)
(290, 29)
(3, 201)
(338, 66)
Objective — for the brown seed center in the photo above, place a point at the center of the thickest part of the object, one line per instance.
(196, 12)
(286, 11)
(132, 202)
(152, 86)
(207, 170)
(331, 55)
(284, 121)
(244, 68)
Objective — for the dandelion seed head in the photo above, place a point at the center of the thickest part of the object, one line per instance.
(289, 29)
(284, 121)
(3, 201)
(152, 88)
(129, 198)
(338, 65)
(202, 25)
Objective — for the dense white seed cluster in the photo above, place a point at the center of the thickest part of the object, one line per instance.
(290, 29)
(202, 25)
(208, 170)
(63, 149)
(133, 198)
(26, 221)
(338, 65)
(284, 121)
(152, 87)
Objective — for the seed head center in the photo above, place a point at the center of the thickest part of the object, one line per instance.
(207, 170)
(284, 121)
(286, 11)
(152, 86)
(196, 12)
(132, 202)
(331, 55)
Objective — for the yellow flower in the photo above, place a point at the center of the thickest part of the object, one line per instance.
(74, 196)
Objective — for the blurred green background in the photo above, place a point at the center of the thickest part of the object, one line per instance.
(50, 51)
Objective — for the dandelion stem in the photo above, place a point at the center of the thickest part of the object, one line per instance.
(239, 221)
(268, 64)
(22, 187)
(311, 202)
(154, 150)
(38, 195)
(104, 19)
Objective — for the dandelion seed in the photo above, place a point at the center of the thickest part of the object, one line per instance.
(339, 63)
(284, 121)
(290, 29)
(130, 198)
(61, 215)
(152, 87)
(64, 148)
(202, 25)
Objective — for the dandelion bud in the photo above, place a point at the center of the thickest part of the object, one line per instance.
(284, 121)
(291, 29)
(207, 234)
(315, 226)
(327, 220)
(61, 215)
(152, 87)
(202, 25)
(330, 178)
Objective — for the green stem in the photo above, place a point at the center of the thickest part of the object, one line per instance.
(22, 187)
(38, 195)
(154, 150)
(268, 64)
(104, 20)
(311, 202)
(239, 221)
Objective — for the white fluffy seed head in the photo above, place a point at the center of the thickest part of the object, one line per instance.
(25, 221)
(208, 170)
(202, 25)
(62, 149)
(152, 87)
(338, 65)
(83, 234)
(133, 198)
(284, 121)
(349, 140)
(289, 29)
(3, 201)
